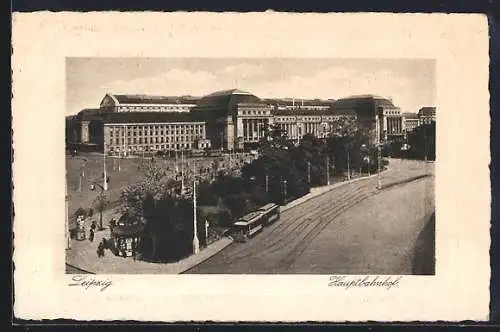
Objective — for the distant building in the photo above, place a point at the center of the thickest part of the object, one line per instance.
(367, 108)
(411, 121)
(85, 128)
(427, 115)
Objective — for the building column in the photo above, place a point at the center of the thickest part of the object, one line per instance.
(84, 131)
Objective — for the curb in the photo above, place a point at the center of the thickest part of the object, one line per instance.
(181, 271)
(333, 186)
(77, 268)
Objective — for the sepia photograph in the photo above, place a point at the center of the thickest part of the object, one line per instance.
(250, 166)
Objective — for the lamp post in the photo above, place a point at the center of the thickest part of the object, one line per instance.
(105, 180)
(348, 165)
(379, 152)
(425, 142)
(81, 176)
(308, 172)
(207, 224)
(327, 171)
(284, 190)
(267, 182)
(196, 242)
(182, 172)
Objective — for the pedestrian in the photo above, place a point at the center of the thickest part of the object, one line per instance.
(91, 235)
(99, 250)
(102, 249)
(93, 226)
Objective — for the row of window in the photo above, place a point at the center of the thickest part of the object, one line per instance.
(160, 126)
(291, 107)
(140, 140)
(156, 132)
(155, 108)
(152, 147)
(308, 118)
(392, 112)
(254, 112)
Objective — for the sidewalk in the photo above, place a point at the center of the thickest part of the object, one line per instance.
(83, 255)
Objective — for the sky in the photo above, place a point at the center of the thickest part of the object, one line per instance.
(410, 83)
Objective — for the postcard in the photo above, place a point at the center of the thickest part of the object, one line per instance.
(275, 167)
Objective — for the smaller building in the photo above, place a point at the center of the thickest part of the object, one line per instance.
(426, 115)
(85, 129)
(411, 121)
(375, 112)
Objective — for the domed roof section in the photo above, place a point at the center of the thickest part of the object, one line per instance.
(229, 98)
(364, 105)
(427, 111)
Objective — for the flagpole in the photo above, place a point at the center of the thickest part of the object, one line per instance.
(196, 242)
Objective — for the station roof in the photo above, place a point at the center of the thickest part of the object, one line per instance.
(228, 98)
(427, 111)
(150, 99)
(364, 105)
(297, 102)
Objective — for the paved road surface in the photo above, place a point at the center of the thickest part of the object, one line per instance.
(353, 229)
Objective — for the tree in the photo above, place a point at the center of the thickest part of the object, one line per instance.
(274, 138)
(80, 212)
(100, 203)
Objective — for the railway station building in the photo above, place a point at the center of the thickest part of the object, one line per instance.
(227, 120)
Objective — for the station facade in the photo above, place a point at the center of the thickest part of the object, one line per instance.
(227, 120)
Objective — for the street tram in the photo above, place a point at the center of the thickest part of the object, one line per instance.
(270, 213)
(254, 222)
(249, 225)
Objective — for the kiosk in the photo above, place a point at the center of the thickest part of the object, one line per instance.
(126, 236)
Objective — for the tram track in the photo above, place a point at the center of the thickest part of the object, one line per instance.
(284, 227)
(297, 226)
